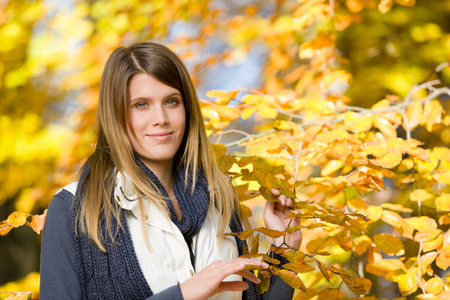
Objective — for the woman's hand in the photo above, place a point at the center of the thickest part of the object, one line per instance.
(275, 218)
(209, 281)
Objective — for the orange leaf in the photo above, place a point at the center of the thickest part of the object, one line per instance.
(5, 228)
(361, 243)
(37, 223)
(271, 233)
(443, 261)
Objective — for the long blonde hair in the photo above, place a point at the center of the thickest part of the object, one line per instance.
(113, 151)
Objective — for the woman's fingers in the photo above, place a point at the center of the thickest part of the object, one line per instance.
(232, 286)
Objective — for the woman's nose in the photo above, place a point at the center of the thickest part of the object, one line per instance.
(159, 116)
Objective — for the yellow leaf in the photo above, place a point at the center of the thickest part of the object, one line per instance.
(389, 244)
(419, 195)
(443, 202)
(426, 236)
(396, 207)
(390, 160)
(443, 261)
(248, 112)
(266, 111)
(381, 104)
(316, 245)
(331, 167)
(222, 97)
(427, 259)
(356, 204)
(433, 244)
(407, 284)
(357, 124)
(299, 267)
(332, 135)
(432, 112)
(434, 286)
(386, 127)
(17, 218)
(384, 266)
(19, 296)
(441, 153)
(406, 2)
(385, 6)
(422, 224)
(252, 100)
(292, 279)
(374, 213)
(443, 178)
(414, 115)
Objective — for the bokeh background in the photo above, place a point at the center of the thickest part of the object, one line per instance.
(52, 54)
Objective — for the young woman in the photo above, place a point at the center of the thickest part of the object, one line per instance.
(147, 218)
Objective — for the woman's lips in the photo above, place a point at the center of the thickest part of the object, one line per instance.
(160, 136)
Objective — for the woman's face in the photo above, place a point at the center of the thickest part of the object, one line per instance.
(158, 119)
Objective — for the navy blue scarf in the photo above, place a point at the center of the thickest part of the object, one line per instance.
(116, 274)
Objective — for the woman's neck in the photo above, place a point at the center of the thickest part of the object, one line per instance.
(165, 175)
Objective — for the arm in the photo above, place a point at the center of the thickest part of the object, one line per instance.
(59, 278)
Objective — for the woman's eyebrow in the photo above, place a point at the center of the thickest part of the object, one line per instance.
(146, 98)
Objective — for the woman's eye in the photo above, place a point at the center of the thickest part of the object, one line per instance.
(172, 101)
(141, 105)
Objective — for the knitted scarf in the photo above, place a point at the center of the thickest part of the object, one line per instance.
(116, 274)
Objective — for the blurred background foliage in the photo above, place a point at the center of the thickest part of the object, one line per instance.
(53, 52)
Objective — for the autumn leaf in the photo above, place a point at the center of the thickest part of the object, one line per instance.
(408, 283)
(406, 2)
(37, 223)
(443, 261)
(389, 244)
(264, 285)
(390, 160)
(5, 228)
(360, 244)
(271, 233)
(420, 195)
(292, 279)
(434, 286)
(17, 218)
(299, 267)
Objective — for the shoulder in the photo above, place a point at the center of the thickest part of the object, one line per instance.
(63, 199)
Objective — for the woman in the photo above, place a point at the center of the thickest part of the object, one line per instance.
(148, 215)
